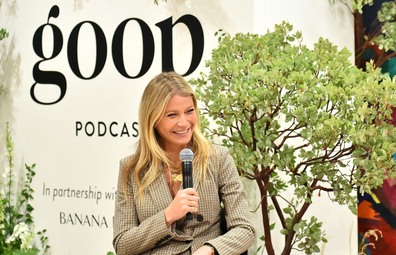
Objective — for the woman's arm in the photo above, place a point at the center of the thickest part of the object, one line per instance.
(241, 233)
(130, 235)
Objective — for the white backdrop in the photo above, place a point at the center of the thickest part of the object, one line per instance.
(78, 141)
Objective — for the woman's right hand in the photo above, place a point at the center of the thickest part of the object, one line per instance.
(184, 201)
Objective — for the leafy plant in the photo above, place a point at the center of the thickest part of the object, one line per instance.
(156, 1)
(3, 34)
(16, 221)
(381, 36)
(300, 120)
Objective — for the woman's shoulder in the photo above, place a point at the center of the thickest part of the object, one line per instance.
(219, 151)
(220, 148)
(125, 160)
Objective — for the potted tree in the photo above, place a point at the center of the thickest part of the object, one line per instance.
(300, 119)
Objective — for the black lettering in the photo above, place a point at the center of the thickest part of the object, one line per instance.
(78, 127)
(197, 38)
(103, 222)
(70, 219)
(100, 123)
(101, 50)
(96, 220)
(62, 219)
(93, 128)
(54, 194)
(148, 48)
(99, 196)
(86, 220)
(76, 218)
(134, 128)
(111, 125)
(48, 77)
(124, 130)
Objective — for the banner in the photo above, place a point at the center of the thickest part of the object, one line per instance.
(74, 72)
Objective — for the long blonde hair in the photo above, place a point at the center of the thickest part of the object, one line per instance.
(149, 156)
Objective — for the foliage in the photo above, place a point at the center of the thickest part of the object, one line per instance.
(381, 35)
(298, 120)
(17, 225)
(156, 1)
(3, 34)
(357, 5)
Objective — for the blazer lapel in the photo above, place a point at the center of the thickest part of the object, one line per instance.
(196, 180)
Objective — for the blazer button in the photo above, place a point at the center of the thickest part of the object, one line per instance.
(200, 218)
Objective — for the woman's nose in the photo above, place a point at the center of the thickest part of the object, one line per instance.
(182, 120)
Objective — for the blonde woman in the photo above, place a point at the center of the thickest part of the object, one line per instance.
(151, 205)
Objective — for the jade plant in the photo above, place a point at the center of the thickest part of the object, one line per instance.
(298, 121)
(379, 36)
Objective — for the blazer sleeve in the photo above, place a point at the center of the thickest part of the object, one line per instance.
(131, 236)
(241, 233)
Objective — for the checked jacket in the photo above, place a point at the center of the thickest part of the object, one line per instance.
(140, 227)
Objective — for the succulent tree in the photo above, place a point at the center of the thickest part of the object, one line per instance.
(298, 119)
(380, 36)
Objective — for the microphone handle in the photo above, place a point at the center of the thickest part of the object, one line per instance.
(187, 174)
(187, 181)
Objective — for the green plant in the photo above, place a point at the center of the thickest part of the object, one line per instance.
(17, 225)
(300, 120)
(156, 1)
(380, 36)
(3, 34)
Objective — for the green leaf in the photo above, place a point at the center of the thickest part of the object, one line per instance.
(287, 210)
(353, 209)
(284, 231)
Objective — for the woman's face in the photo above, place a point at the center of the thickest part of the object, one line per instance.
(176, 126)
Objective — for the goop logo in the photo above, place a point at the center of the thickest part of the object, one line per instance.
(54, 78)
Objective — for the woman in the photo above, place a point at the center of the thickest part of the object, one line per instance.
(151, 206)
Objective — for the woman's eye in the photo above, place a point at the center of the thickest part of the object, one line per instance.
(171, 115)
(191, 110)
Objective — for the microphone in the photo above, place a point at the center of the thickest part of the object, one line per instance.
(186, 156)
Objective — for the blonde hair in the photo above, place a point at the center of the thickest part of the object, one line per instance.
(149, 156)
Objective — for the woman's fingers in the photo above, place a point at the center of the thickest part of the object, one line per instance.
(185, 201)
(189, 191)
(188, 199)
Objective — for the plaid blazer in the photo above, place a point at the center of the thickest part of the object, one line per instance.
(140, 228)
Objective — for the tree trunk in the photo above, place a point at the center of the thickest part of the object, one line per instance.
(263, 185)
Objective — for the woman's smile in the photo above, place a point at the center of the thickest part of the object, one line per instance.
(177, 124)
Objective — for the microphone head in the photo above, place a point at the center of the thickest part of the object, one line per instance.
(186, 155)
